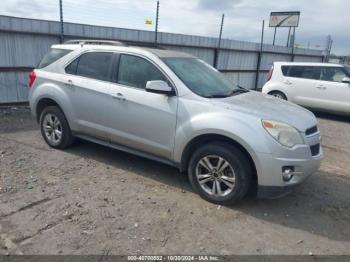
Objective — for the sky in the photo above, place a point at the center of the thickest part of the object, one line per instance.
(243, 18)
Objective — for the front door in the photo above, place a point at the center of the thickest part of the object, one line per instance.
(334, 92)
(141, 120)
(301, 81)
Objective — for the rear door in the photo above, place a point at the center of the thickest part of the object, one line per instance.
(88, 81)
(335, 94)
(301, 82)
(141, 120)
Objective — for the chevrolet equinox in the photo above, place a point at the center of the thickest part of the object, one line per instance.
(174, 108)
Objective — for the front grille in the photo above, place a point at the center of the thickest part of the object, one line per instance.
(311, 130)
(315, 149)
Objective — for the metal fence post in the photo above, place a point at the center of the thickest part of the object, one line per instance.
(259, 56)
(216, 52)
(61, 21)
(156, 29)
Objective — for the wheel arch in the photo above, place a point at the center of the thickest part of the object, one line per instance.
(278, 91)
(43, 103)
(199, 140)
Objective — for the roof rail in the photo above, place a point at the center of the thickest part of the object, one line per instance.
(94, 42)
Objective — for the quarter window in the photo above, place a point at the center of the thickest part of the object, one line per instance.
(136, 72)
(72, 68)
(53, 56)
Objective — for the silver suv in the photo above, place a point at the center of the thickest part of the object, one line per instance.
(174, 108)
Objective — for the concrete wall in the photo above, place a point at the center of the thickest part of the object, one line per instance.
(23, 42)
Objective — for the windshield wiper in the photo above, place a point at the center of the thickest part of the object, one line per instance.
(243, 88)
(216, 96)
(237, 91)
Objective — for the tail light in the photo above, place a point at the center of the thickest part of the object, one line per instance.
(269, 75)
(31, 79)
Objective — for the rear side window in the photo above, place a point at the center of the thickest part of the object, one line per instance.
(52, 56)
(136, 72)
(96, 65)
(306, 72)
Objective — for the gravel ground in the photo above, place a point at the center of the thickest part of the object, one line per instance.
(95, 200)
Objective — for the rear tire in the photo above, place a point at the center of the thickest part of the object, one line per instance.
(278, 94)
(226, 179)
(55, 128)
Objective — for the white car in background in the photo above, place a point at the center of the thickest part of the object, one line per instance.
(319, 86)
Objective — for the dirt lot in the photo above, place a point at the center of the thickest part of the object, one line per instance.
(95, 200)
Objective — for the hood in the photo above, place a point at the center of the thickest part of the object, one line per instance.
(269, 108)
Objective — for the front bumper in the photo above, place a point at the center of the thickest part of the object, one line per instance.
(270, 180)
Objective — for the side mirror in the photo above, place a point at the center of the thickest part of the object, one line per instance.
(159, 87)
(346, 80)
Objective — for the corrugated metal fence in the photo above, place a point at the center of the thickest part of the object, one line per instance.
(23, 42)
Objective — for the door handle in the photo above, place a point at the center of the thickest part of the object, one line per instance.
(118, 96)
(322, 87)
(287, 82)
(69, 83)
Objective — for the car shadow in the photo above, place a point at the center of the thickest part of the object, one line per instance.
(141, 166)
(320, 206)
(330, 116)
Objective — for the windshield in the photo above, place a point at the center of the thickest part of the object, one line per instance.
(201, 78)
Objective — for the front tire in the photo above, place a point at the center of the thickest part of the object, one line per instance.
(55, 128)
(220, 173)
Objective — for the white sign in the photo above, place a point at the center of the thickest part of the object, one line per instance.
(284, 19)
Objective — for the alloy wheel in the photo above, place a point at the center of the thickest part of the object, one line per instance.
(52, 129)
(215, 175)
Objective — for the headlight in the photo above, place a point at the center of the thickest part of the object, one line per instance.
(285, 134)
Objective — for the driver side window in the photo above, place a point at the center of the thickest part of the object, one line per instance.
(135, 71)
(333, 74)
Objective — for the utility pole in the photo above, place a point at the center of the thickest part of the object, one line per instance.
(216, 55)
(156, 29)
(222, 26)
(329, 44)
(61, 21)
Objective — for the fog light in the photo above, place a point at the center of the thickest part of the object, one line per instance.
(287, 173)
